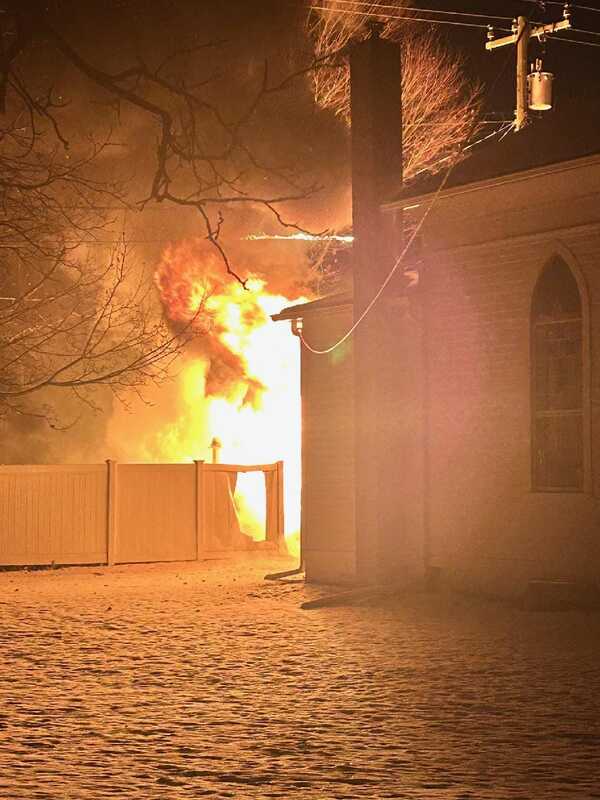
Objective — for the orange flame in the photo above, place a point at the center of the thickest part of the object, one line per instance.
(240, 382)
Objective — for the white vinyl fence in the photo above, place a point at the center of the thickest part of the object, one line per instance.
(127, 513)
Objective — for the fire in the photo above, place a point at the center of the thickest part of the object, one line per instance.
(302, 237)
(240, 382)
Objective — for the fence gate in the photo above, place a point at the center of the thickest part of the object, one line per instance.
(219, 523)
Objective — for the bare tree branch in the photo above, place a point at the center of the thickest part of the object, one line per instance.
(438, 104)
(185, 121)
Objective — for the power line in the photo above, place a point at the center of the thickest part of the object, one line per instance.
(92, 243)
(358, 13)
(504, 127)
(590, 33)
(571, 7)
(575, 41)
(585, 8)
(414, 8)
(399, 260)
(383, 286)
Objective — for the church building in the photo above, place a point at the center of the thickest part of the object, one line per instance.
(456, 432)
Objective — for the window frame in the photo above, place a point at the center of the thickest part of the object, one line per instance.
(583, 411)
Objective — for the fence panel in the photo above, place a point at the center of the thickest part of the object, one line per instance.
(53, 514)
(155, 513)
(127, 513)
(275, 521)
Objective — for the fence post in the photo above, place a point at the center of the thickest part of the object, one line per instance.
(200, 502)
(280, 514)
(111, 514)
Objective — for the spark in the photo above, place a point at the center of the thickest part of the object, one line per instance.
(304, 237)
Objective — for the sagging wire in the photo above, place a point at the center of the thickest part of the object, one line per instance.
(504, 130)
(388, 278)
(401, 257)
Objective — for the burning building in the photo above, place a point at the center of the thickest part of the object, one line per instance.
(455, 430)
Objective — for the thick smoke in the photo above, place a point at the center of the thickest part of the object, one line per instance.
(196, 292)
(225, 50)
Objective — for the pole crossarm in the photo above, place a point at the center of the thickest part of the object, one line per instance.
(552, 27)
(538, 31)
(494, 43)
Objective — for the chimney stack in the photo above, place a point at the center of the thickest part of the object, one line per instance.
(376, 105)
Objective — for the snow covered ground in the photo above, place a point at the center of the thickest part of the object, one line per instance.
(202, 680)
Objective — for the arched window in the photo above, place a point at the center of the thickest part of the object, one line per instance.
(557, 384)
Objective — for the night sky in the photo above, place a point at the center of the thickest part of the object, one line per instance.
(246, 34)
(576, 67)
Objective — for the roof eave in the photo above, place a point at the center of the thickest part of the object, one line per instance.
(321, 306)
(415, 201)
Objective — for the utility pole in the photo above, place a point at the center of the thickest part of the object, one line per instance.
(521, 34)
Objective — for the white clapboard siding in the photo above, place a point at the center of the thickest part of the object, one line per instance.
(156, 513)
(53, 514)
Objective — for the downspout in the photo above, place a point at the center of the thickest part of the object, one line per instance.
(288, 573)
(426, 423)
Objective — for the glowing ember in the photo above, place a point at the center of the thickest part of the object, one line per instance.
(302, 237)
(240, 382)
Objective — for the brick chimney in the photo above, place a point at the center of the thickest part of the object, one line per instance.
(376, 103)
